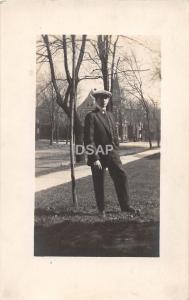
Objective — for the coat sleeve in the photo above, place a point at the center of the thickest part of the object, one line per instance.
(116, 139)
(89, 141)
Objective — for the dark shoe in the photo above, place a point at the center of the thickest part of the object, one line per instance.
(132, 211)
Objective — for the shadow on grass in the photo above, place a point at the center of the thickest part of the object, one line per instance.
(100, 239)
(69, 213)
(61, 231)
(154, 156)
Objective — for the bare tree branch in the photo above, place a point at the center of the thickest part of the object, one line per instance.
(46, 41)
(66, 59)
(80, 58)
(113, 62)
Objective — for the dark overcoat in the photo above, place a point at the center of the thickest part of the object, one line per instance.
(100, 130)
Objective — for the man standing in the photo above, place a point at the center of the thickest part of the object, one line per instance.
(100, 133)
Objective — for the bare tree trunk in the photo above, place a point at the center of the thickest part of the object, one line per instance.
(67, 134)
(103, 46)
(146, 108)
(113, 73)
(51, 130)
(52, 122)
(148, 128)
(77, 121)
(71, 88)
(57, 128)
(158, 133)
(52, 135)
(64, 103)
(120, 126)
(72, 109)
(79, 135)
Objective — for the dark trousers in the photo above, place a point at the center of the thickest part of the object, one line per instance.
(119, 177)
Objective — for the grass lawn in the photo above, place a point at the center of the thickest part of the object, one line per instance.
(60, 230)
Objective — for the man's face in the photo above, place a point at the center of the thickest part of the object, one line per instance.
(102, 101)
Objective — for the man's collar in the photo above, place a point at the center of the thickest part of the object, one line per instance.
(100, 109)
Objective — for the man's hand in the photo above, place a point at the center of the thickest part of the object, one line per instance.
(98, 165)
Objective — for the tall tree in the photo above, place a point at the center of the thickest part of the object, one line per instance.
(51, 47)
(134, 87)
(106, 61)
(68, 103)
(157, 119)
(72, 111)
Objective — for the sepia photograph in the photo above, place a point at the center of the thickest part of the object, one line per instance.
(97, 145)
(94, 157)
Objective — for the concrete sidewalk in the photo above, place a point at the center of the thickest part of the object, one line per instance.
(60, 177)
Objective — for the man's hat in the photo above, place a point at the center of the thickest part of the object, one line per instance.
(105, 93)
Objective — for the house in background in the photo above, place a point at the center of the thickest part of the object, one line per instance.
(130, 119)
(127, 126)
